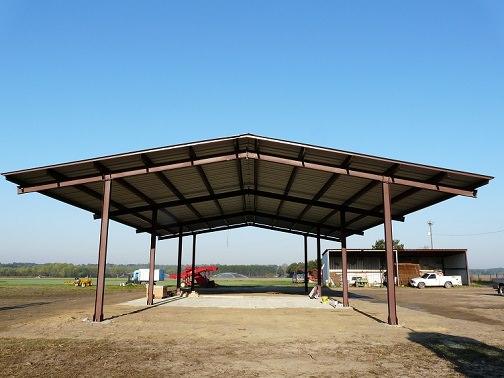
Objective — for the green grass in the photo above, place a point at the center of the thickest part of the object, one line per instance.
(21, 281)
(113, 283)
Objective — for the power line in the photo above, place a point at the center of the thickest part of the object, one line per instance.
(478, 234)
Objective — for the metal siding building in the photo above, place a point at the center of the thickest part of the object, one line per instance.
(371, 263)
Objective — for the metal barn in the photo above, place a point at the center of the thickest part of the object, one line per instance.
(370, 264)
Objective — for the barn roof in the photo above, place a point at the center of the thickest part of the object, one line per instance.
(247, 180)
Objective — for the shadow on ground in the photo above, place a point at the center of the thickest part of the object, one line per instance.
(272, 290)
(469, 357)
(162, 302)
(23, 305)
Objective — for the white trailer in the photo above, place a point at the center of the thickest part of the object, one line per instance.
(142, 275)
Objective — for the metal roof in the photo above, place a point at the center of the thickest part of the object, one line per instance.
(247, 180)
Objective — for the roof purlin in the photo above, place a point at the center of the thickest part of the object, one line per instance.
(259, 193)
(245, 214)
(251, 155)
(133, 205)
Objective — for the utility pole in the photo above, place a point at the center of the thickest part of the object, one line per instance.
(430, 223)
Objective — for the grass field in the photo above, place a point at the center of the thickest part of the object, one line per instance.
(115, 282)
(20, 281)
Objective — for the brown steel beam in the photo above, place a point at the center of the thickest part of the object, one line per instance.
(408, 193)
(247, 192)
(205, 180)
(368, 187)
(245, 214)
(102, 254)
(121, 181)
(276, 228)
(344, 261)
(90, 192)
(152, 262)
(179, 260)
(391, 289)
(193, 261)
(145, 198)
(317, 196)
(292, 177)
(306, 263)
(249, 155)
(249, 224)
(166, 182)
(319, 266)
(361, 174)
(240, 173)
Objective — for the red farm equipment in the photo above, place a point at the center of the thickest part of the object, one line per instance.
(200, 276)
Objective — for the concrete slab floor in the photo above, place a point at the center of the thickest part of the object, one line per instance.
(240, 301)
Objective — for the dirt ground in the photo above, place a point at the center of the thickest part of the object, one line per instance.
(454, 332)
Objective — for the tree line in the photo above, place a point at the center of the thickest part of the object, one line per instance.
(65, 270)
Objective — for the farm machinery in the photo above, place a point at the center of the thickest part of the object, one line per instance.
(83, 282)
(200, 276)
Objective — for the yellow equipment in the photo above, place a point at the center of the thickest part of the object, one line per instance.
(81, 282)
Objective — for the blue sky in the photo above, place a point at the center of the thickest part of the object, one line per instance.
(419, 81)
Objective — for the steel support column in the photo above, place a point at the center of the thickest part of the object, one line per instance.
(152, 260)
(193, 260)
(102, 254)
(467, 269)
(306, 264)
(319, 265)
(179, 260)
(344, 261)
(391, 289)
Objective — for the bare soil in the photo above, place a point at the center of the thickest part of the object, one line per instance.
(454, 332)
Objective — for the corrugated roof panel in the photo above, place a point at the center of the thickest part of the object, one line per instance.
(287, 150)
(338, 193)
(267, 205)
(308, 183)
(370, 199)
(209, 208)
(369, 165)
(273, 177)
(187, 181)
(223, 177)
(152, 187)
(292, 209)
(215, 148)
(233, 204)
(330, 158)
(138, 193)
(315, 214)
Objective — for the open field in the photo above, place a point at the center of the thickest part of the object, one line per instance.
(45, 331)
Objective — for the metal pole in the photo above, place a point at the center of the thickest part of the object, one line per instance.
(150, 292)
(430, 223)
(319, 265)
(397, 267)
(179, 260)
(193, 261)
(344, 261)
(387, 221)
(102, 254)
(306, 263)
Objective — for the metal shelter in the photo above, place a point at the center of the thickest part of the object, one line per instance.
(247, 180)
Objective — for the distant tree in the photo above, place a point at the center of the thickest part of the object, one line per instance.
(380, 244)
(295, 268)
(300, 267)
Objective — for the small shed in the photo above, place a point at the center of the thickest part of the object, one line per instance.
(370, 264)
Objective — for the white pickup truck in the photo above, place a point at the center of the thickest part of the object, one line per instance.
(434, 279)
(498, 284)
